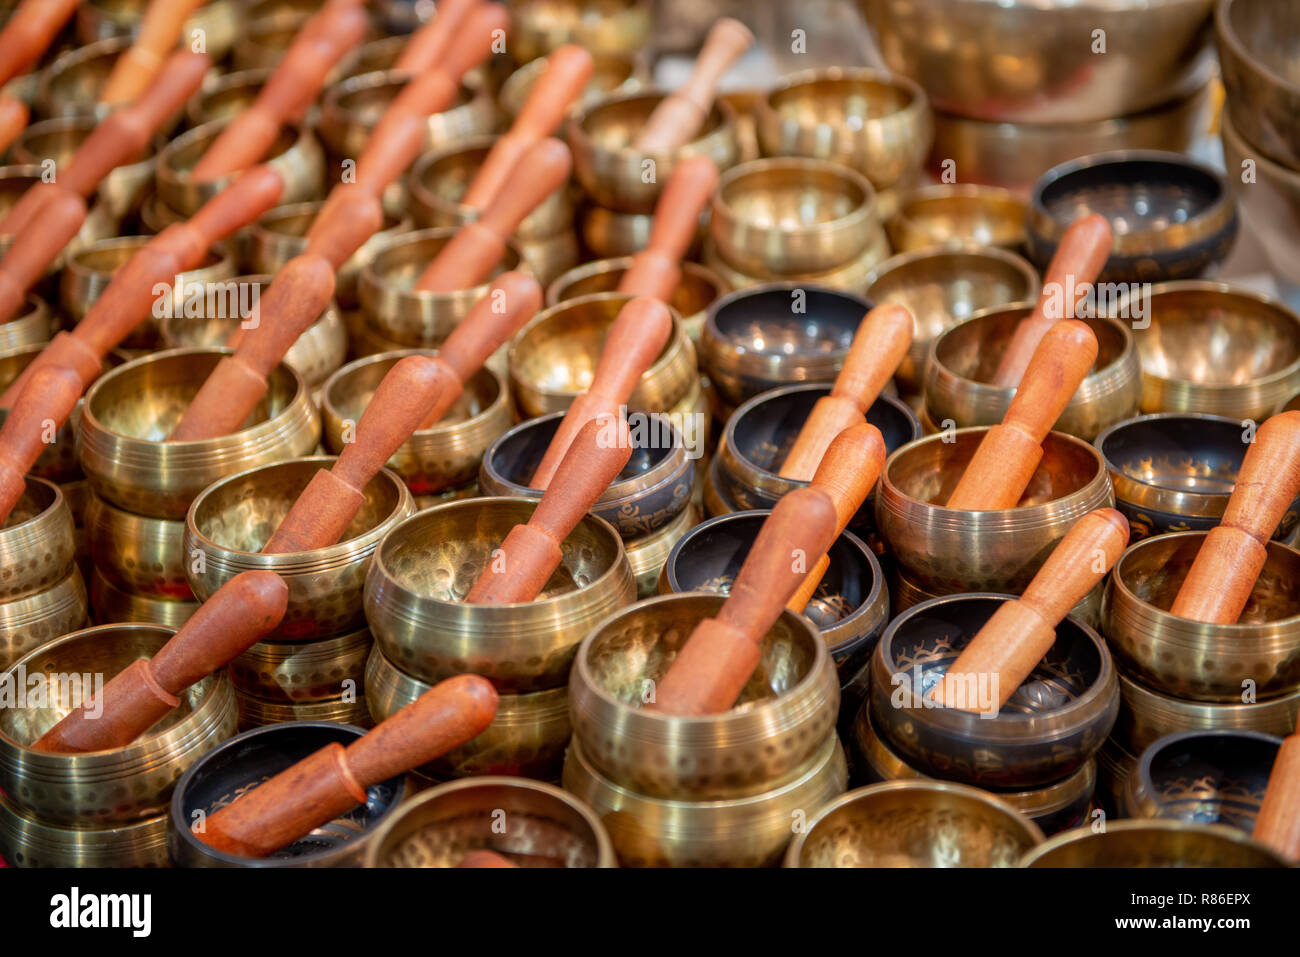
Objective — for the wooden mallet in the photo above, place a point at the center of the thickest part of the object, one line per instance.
(13, 120)
(32, 250)
(656, 270)
(41, 409)
(31, 29)
(138, 66)
(1277, 825)
(430, 44)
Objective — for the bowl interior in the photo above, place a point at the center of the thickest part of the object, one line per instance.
(973, 349)
(1197, 454)
(945, 287)
(448, 178)
(36, 498)
(778, 322)
(350, 394)
(559, 353)
(764, 433)
(399, 264)
(788, 198)
(1146, 845)
(847, 103)
(1270, 32)
(613, 124)
(14, 185)
(1210, 778)
(989, 219)
(1135, 195)
(516, 457)
(186, 155)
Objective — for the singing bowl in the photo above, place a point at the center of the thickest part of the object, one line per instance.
(1114, 766)
(230, 521)
(851, 277)
(777, 334)
(651, 490)
(868, 120)
(427, 564)
(26, 841)
(914, 824)
(350, 708)
(613, 172)
(959, 389)
(58, 460)
(1270, 202)
(36, 541)
(219, 22)
(54, 611)
(698, 289)
(942, 286)
(602, 26)
(137, 553)
(1174, 472)
(609, 234)
(622, 72)
(1261, 73)
(223, 96)
(1193, 659)
(111, 604)
(1152, 843)
(1172, 218)
(649, 553)
(849, 608)
(71, 84)
(544, 827)
(372, 56)
(554, 357)
(29, 327)
(527, 737)
(129, 412)
(958, 214)
(955, 550)
(301, 672)
(254, 757)
(904, 593)
(747, 831)
(117, 785)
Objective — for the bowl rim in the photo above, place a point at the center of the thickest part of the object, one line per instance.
(917, 103)
(937, 192)
(1225, 34)
(962, 248)
(580, 138)
(392, 238)
(44, 514)
(1275, 170)
(1176, 738)
(166, 169)
(725, 214)
(715, 333)
(608, 264)
(1219, 832)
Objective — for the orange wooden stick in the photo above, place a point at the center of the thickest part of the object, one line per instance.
(1005, 651)
(1220, 581)
(13, 120)
(1077, 263)
(344, 224)
(433, 41)
(1005, 461)
(656, 270)
(238, 614)
(1277, 825)
(638, 335)
(41, 409)
(136, 68)
(879, 345)
(332, 781)
(29, 33)
(35, 247)
(485, 858)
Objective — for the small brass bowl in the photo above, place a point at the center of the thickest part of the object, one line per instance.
(129, 412)
(218, 21)
(1259, 74)
(527, 737)
(648, 554)
(25, 841)
(58, 461)
(609, 234)
(954, 550)
(653, 488)
(70, 85)
(1154, 843)
(137, 553)
(612, 73)
(232, 519)
(440, 826)
(602, 26)
(293, 672)
(36, 541)
(257, 756)
(904, 593)
(851, 277)
(943, 285)
(1174, 472)
(1049, 728)
(118, 785)
(914, 824)
(112, 604)
(963, 359)
(33, 620)
(613, 172)
(792, 216)
(698, 290)
(1193, 659)
(424, 568)
(554, 356)
(30, 327)
(222, 97)
(875, 122)
(958, 214)
(349, 709)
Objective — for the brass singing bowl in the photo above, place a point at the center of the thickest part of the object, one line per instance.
(747, 831)
(137, 553)
(30, 327)
(1193, 659)
(110, 603)
(648, 554)
(554, 356)
(942, 286)
(612, 72)
(957, 550)
(26, 841)
(423, 569)
(869, 120)
(917, 823)
(1260, 74)
(219, 22)
(292, 672)
(1152, 843)
(36, 541)
(15, 180)
(958, 214)
(231, 520)
(544, 827)
(117, 785)
(71, 84)
(222, 97)
(351, 708)
(1271, 203)
(612, 171)
(609, 234)
(128, 413)
(527, 737)
(959, 389)
(698, 289)
(1114, 766)
(602, 26)
(904, 593)
(851, 277)
(56, 610)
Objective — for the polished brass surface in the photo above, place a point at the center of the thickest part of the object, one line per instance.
(30, 327)
(698, 289)
(137, 553)
(303, 671)
(851, 277)
(1261, 73)
(36, 541)
(70, 85)
(26, 841)
(110, 604)
(958, 213)
(350, 709)
(610, 234)
(621, 72)
(31, 621)
(602, 26)
(1152, 844)
(648, 554)
(1146, 715)
(1270, 203)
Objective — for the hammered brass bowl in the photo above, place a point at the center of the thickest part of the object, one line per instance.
(942, 286)
(698, 289)
(609, 234)
(527, 737)
(914, 824)
(70, 85)
(1193, 659)
(1153, 843)
(1262, 82)
(621, 72)
(851, 277)
(294, 672)
(222, 97)
(36, 541)
(346, 709)
(427, 564)
(110, 604)
(137, 553)
(232, 519)
(959, 391)
(544, 827)
(118, 785)
(26, 841)
(602, 26)
(958, 214)
(31, 621)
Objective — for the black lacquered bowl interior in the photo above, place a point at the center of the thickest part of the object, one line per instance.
(516, 456)
(764, 432)
(1212, 777)
(1183, 453)
(1135, 195)
(768, 322)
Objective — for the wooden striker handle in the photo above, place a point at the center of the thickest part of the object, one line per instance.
(656, 270)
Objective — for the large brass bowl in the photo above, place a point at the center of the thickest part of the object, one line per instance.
(1152, 844)
(1261, 73)
(294, 672)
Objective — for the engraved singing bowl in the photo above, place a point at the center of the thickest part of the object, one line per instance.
(231, 520)
(963, 360)
(648, 553)
(26, 841)
(651, 490)
(602, 26)
(254, 757)
(698, 289)
(294, 672)
(129, 412)
(851, 277)
(351, 708)
(1193, 659)
(544, 827)
(1261, 73)
(777, 334)
(29, 622)
(612, 171)
(219, 22)
(849, 608)
(1219, 349)
(423, 569)
(904, 593)
(554, 357)
(958, 214)
(222, 97)
(611, 73)
(137, 553)
(36, 541)
(781, 720)
(434, 460)
(116, 785)
(1114, 765)
(948, 550)
(58, 460)
(71, 84)
(872, 121)
(527, 737)
(1152, 843)
(1051, 725)
(1174, 472)
(942, 286)
(914, 824)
